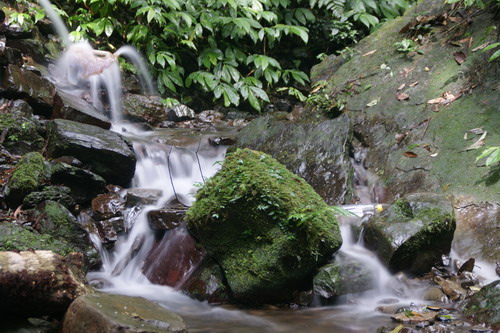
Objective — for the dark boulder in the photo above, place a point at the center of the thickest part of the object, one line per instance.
(105, 152)
(316, 151)
(147, 109)
(413, 233)
(106, 206)
(84, 184)
(19, 129)
(60, 194)
(167, 218)
(207, 283)
(141, 196)
(19, 83)
(117, 313)
(73, 107)
(266, 227)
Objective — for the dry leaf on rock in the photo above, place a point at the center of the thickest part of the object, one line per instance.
(402, 86)
(480, 47)
(445, 99)
(410, 154)
(402, 96)
(369, 53)
(478, 144)
(459, 57)
(413, 84)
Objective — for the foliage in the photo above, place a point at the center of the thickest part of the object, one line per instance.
(492, 155)
(495, 54)
(236, 51)
(407, 46)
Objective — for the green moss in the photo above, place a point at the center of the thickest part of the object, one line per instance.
(28, 176)
(265, 226)
(402, 208)
(20, 131)
(17, 238)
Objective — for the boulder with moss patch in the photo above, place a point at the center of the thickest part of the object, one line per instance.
(484, 306)
(28, 177)
(413, 233)
(266, 227)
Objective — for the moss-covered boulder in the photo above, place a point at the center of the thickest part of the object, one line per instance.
(60, 194)
(266, 227)
(21, 128)
(413, 233)
(16, 238)
(29, 175)
(484, 306)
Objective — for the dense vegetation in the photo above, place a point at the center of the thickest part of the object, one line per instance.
(233, 50)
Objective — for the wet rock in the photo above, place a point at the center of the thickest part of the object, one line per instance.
(316, 151)
(412, 233)
(452, 289)
(10, 55)
(141, 196)
(105, 152)
(19, 129)
(144, 108)
(206, 283)
(60, 194)
(19, 83)
(413, 317)
(210, 116)
(117, 313)
(34, 283)
(478, 230)
(238, 218)
(434, 294)
(180, 112)
(84, 185)
(222, 140)
(344, 276)
(108, 230)
(484, 306)
(29, 175)
(29, 46)
(173, 259)
(106, 206)
(72, 107)
(166, 219)
(16, 238)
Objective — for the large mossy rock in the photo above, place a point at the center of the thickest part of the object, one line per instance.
(266, 227)
(39, 283)
(119, 314)
(28, 177)
(316, 150)
(17, 238)
(20, 128)
(105, 152)
(484, 306)
(413, 233)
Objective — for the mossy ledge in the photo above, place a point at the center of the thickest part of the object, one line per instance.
(265, 226)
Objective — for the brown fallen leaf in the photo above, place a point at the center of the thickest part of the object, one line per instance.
(434, 155)
(459, 57)
(445, 99)
(467, 266)
(402, 96)
(413, 84)
(369, 53)
(480, 47)
(478, 144)
(435, 108)
(400, 137)
(406, 71)
(410, 154)
(402, 86)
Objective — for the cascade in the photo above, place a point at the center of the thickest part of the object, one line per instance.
(175, 171)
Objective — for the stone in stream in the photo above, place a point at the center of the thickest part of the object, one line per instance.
(173, 259)
(206, 283)
(39, 283)
(166, 219)
(141, 196)
(117, 313)
(144, 108)
(105, 152)
(106, 206)
(413, 233)
(344, 276)
(266, 227)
